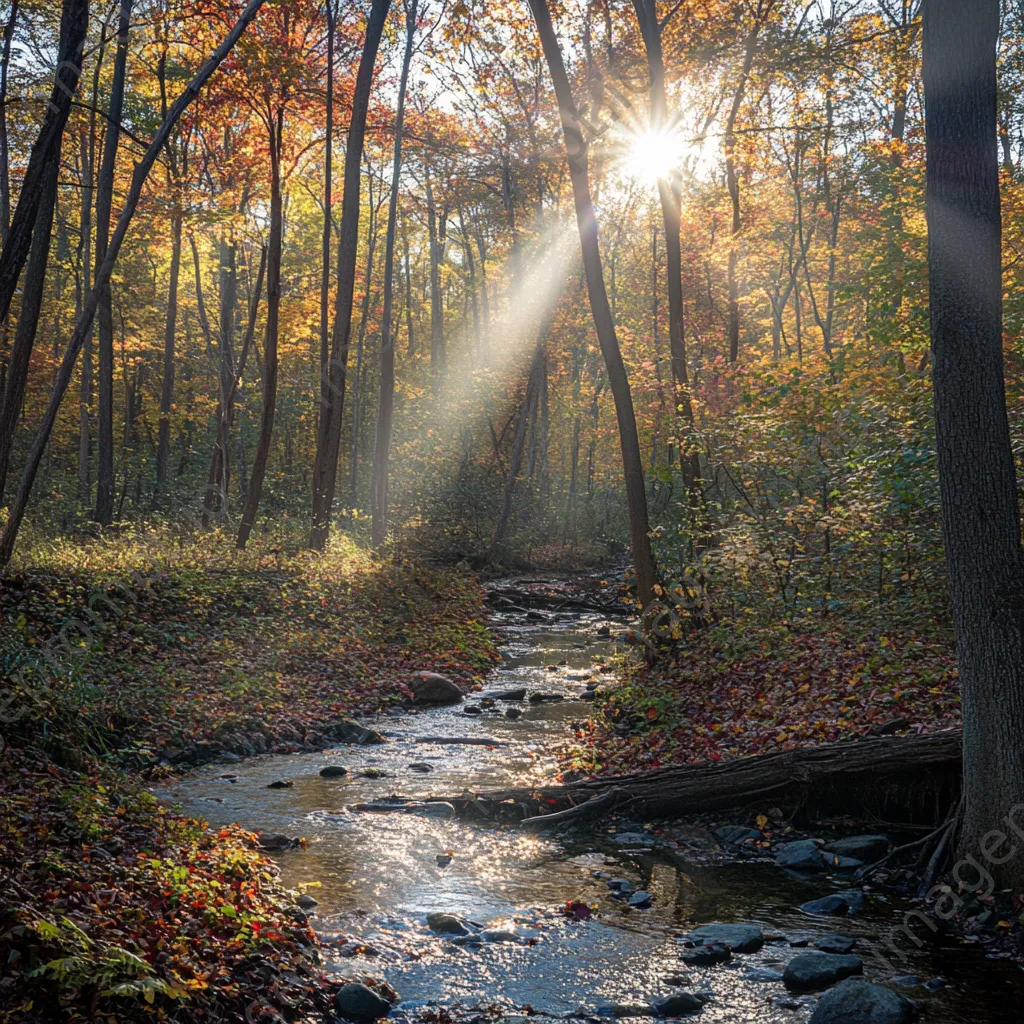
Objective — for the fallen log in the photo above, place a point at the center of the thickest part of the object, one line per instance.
(910, 778)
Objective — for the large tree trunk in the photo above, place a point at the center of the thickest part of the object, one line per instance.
(74, 22)
(325, 244)
(980, 514)
(632, 464)
(5, 179)
(67, 366)
(386, 400)
(104, 204)
(28, 321)
(668, 192)
(332, 391)
(259, 462)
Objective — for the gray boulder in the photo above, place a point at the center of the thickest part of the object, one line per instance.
(802, 855)
(863, 848)
(810, 972)
(433, 688)
(360, 1003)
(860, 1002)
(679, 1004)
(740, 938)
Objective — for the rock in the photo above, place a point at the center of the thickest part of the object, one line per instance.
(640, 899)
(333, 771)
(545, 698)
(298, 915)
(472, 709)
(274, 841)
(935, 984)
(863, 848)
(433, 688)
(621, 886)
(618, 1010)
(498, 935)
(604, 630)
(588, 695)
(444, 859)
(635, 839)
(434, 809)
(802, 855)
(360, 1003)
(706, 956)
(281, 784)
(740, 938)
(860, 1002)
(346, 731)
(679, 1004)
(371, 773)
(513, 713)
(894, 725)
(535, 616)
(835, 905)
(227, 757)
(907, 981)
(421, 766)
(835, 944)
(306, 902)
(763, 974)
(734, 835)
(517, 694)
(446, 924)
(810, 972)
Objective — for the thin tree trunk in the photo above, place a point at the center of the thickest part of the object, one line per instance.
(332, 393)
(67, 366)
(170, 325)
(386, 400)
(437, 354)
(632, 463)
(5, 179)
(104, 203)
(74, 22)
(980, 513)
(262, 455)
(411, 340)
(325, 270)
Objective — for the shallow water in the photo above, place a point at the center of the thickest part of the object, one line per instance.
(378, 873)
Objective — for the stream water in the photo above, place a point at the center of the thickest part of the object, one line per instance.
(379, 874)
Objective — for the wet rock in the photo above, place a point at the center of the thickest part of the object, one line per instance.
(372, 773)
(298, 915)
(635, 839)
(498, 935)
(679, 1004)
(802, 855)
(604, 630)
(347, 731)
(863, 848)
(588, 695)
(621, 886)
(421, 766)
(907, 981)
(935, 984)
(763, 974)
(545, 698)
(333, 771)
(835, 944)
(811, 972)
(306, 902)
(860, 1002)
(360, 1003)
(227, 757)
(433, 688)
(734, 835)
(706, 956)
(434, 809)
(446, 924)
(535, 616)
(740, 938)
(281, 784)
(516, 694)
(472, 709)
(513, 713)
(837, 904)
(444, 859)
(843, 865)
(618, 1010)
(640, 899)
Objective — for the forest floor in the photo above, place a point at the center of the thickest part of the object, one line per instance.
(125, 656)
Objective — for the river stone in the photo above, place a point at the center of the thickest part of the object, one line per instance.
(734, 835)
(802, 855)
(446, 924)
(706, 956)
(281, 784)
(360, 1003)
(274, 841)
(863, 848)
(347, 731)
(513, 713)
(516, 694)
(433, 688)
(421, 766)
(810, 972)
(306, 902)
(498, 935)
(837, 904)
(763, 974)
(740, 938)
(860, 1002)
(835, 944)
(624, 1010)
(333, 771)
(640, 899)
(621, 886)
(679, 1004)
(472, 709)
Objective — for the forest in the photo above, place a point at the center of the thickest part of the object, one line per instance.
(359, 359)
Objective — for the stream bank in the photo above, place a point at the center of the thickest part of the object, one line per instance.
(542, 925)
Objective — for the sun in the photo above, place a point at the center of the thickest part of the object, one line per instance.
(652, 156)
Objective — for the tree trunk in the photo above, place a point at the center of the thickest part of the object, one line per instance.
(437, 353)
(74, 22)
(980, 514)
(5, 179)
(67, 366)
(386, 400)
(332, 392)
(632, 464)
(170, 325)
(104, 203)
(325, 245)
(262, 455)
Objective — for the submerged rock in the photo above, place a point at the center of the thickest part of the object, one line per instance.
(860, 1002)
(802, 855)
(679, 1004)
(740, 938)
(281, 784)
(333, 771)
(706, 956)
(837, 904)
(360, 1003)
(276, 841)
(447, 924)
(810, 972)
(513, 713)
(835, 944)
(434, 688)
(347, 731)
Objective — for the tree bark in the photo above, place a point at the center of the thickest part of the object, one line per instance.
(82, 327)
(386, 400)
(105, 315)
(170, 325)
(5, 178)
(332, 391)
(325, 245)
(980, 513)
(632, 464)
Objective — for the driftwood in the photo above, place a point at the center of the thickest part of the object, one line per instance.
(904, 778)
